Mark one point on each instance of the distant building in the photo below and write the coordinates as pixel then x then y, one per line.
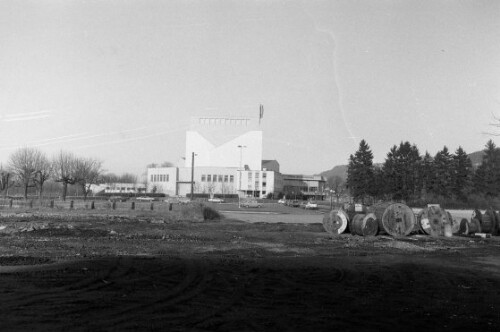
pixel 309 186
pixel 227 160
pixel 118 188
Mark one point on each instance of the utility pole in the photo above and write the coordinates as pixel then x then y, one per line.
pixel 192 174
pixel 239 186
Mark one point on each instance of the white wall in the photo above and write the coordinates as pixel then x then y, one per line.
pixel 272 180
pixel 226 154
pixel 163 178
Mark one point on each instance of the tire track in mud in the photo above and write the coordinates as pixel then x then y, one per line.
pixel 233 293
pixel 76 280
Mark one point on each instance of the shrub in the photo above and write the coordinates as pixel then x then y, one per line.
pixel 210 214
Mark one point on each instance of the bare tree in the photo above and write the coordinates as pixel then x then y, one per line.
pixel 87 171
pixel 110 178
pixel 63 166
pixel 23 164
pixel 128 178
pixel 166 164
pixel 5 180
pixel 43 173
pixel 337 184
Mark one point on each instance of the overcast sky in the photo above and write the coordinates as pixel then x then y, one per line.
pixel 119 80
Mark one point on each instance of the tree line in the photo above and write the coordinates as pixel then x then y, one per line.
pixel 410 176
pixel 30 168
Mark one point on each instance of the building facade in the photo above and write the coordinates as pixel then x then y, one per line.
pixel 227 157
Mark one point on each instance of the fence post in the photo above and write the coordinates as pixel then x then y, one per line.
pixel 114 205
pixel 71 205
pixel 52 204
pixel 92 206
pixel 170 206
pixel 10 203
pixel 151 207
pixel 133 206
pixel 31 204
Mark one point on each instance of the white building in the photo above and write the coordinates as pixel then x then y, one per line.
pixel 227 160
pixel 118 188
pixel 224 142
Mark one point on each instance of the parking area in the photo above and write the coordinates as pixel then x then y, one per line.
pixel 273 217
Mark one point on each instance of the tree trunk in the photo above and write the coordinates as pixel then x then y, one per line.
pixel 40 193
pixel 65 190
pixel 25 191
pixel 84 193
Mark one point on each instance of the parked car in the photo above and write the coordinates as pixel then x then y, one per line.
pixel 251 204
pixel 216 200
pixel 295 204
pixel 145 199
pixel 311 205
pixel 282 201
pixel 117 199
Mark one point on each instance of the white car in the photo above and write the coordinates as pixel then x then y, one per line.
pixel 311 205
pixel 282 201
pixel 216 200
pixel 145 199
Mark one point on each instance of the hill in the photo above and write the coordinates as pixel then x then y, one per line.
pixel 339 170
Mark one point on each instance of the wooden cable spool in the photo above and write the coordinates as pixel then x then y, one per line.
pixel 378 210
pixel 476 214
pixel 455 224
pixel 464 227
pixel 398 220
pixel 352 210
pixel 474 226
pixel 355 224
pixel 432 220
pixel 365 224
pixel 488 222
pixel 335 222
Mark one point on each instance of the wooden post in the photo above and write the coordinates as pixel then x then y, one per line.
pixel 133 206
pixel 10 203
pixel 52 204
pixel 151 207
pixel 71 205
pixel 92 205
pixel 114 205
pixel 170 206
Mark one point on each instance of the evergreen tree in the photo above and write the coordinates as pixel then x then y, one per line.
pixel 401 170
pixel 443 166
pixel 360 176
pixel 462 174
pixel 487 177
pixel 426 176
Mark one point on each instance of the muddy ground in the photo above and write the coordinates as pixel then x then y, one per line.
pixel 147 272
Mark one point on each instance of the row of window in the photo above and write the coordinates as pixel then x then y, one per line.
pixel 257 175
pixel 217 178
pixel 122 188
pixel 264 184
pixel 159 177
pixel 223 121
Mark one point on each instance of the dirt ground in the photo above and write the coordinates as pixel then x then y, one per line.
pixel 146 272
